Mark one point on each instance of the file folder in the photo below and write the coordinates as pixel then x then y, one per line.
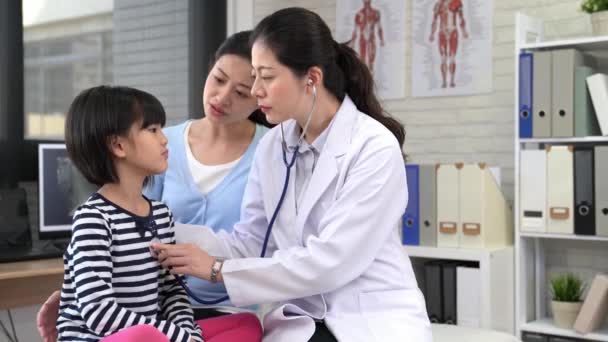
pixel 448 205
pixel 598 89
pixel 485 216
pixel 525 95
pixel 448 283
pixel 560 190
pixel 541 89
pixel 411 232
pixel 428 205
pixel 601 190
pixel 594 311
pixel 562 339
pixel 585 120
pixel 533 190
pixel 584 208
pixel 433 291
pixel 563 63
pixel 468 303
pixel 533 337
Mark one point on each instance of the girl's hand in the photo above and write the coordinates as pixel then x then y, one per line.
pixel 184 259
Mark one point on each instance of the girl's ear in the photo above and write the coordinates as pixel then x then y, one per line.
pixel 117 146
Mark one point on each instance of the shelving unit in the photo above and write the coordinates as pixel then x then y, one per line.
pixel 546 326
pixel 537 254
pixel 497 279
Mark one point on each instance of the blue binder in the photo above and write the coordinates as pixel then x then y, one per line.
pixel 411 221
pixel 525 95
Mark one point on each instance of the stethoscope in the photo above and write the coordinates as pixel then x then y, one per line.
pixel 288 166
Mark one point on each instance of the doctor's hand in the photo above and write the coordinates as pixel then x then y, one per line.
pixel 46 319
pixel 185 259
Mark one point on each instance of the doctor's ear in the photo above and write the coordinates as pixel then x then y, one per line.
pixel 314 76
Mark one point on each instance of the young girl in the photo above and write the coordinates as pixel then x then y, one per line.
pixel 114 137
pixel 112 280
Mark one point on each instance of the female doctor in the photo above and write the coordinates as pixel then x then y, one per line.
pixel 334 261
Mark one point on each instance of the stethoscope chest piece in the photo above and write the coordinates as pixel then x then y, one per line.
pixel 152 251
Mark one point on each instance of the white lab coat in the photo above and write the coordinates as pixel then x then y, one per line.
pixel 339 259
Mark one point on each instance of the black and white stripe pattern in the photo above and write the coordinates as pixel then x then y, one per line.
pixel 111 280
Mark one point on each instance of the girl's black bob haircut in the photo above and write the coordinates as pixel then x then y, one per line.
pixel 100 113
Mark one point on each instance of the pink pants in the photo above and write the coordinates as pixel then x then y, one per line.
pixel 243 327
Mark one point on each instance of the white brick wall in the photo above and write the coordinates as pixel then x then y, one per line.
pixel 470 128
pixel 151 51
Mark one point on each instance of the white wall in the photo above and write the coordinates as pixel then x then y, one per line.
pixel 465 128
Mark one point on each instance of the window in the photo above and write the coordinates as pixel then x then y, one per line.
pixel 66 50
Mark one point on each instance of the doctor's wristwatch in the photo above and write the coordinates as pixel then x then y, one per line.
pixel 215 269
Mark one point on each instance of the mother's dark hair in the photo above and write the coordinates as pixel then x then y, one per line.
pixel 300 39
pixel 238 45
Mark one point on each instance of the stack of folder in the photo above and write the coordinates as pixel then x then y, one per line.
pixel 452 292
pixel 562 190
pixel 537 337
pixel 554 100
pixel 455 205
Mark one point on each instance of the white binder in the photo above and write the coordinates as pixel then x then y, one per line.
pixel 560 190
pixel 448 208
pixel 533 191
pixel 598 90
pixel 468 289
pixel 485 216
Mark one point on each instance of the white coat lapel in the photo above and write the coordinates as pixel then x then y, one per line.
pixel 338 140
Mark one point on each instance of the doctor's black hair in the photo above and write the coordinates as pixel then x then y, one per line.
pixel 300 39
pixel 95 116
pixel 238 45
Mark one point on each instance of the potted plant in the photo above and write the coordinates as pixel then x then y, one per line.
pixel 567 290
pixel 598 9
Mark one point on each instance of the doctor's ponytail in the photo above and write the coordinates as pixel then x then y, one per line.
pixel 300 39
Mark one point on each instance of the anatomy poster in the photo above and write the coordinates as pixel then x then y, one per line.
pixel 451 47
pixel 376 31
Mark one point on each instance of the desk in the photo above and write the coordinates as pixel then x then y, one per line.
pixel 31 282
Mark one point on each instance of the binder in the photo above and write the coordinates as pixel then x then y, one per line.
pixel 563 63
pixel 595 307
pixel 533 337
pixel 584 208
pixel 433 291
pixel 601 190
pixel 585 120
pixel 410 222
pixel 485 216
pixel 428 205
pixel 525 95
pixel 468 304
pixel 562 339
pixel 541 89
pixel 448 286
pixel 533 191
pixel 560 188
pixel 448 205
pixel 598 89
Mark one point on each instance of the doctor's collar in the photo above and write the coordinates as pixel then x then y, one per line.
pixel 292 134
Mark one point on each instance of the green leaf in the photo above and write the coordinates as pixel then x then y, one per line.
pixel 567 288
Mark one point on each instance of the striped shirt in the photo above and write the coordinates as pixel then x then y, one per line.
pixel 111 281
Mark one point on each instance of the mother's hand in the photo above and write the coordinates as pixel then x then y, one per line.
pixel 185 259
pixel 46 319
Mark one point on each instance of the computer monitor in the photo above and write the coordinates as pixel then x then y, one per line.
pixel 61 189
